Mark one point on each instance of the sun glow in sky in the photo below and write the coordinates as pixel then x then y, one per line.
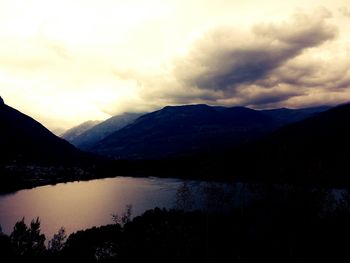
pixel 64 62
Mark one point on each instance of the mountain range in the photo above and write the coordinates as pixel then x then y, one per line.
pixel 179 131
pixel 294 145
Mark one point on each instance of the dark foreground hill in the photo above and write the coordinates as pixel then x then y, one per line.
pixel 24 140
pixel 31 155
pixel 313 150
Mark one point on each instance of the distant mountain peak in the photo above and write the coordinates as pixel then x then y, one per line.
pixel 73 133
pixel 99 131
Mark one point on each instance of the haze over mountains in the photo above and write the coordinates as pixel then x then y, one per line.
pixel 73 133
pixel 90 134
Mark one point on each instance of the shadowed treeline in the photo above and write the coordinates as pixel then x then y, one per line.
pixel 285 224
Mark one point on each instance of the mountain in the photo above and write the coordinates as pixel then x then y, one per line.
pixel 98 132
pixel 73 133
pixel 57 130
pixel 286 116
pixel 176 131
pixel 313 150
pixel 24 140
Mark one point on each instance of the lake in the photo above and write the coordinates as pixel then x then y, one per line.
pixel 83 204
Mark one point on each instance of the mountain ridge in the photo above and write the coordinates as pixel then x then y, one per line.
pixel 74 132
pixel 312 150
pixel 23 139
pixel 102 130
pixel 180 130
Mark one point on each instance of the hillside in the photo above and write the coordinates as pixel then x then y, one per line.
pixel 179 131
pixel 73 133
pixel 312 150
pixel 98 132
pixel 24 140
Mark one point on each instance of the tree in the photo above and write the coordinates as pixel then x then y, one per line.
pixel 125 217
pixel 27 241
pixel 19 237
pixel 37 240
pixel 56 244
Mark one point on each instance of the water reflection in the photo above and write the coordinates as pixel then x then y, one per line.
pixel 79 205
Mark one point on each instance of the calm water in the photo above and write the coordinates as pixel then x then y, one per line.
pixel 80 205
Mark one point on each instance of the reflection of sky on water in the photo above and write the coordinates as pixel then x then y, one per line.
pixel 80 205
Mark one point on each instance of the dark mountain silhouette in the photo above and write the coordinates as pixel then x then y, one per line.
pixel 205 138
pixel 73 133
pixel 177 131
pixel 99 131
pixel 286 116
pixel 313 150
pixel 24 140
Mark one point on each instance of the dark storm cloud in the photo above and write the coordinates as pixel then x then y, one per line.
pixel 226 59
pixel 268 99
pixel 269 65
pixel 306 72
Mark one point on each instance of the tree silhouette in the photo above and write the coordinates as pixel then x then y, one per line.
pixel 125 217
pixel 56 244
pixel 28 241
pixel 19 237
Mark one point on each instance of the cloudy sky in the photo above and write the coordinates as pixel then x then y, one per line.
pixel 67 61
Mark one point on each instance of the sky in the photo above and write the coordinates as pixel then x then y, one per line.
pixel 68 61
